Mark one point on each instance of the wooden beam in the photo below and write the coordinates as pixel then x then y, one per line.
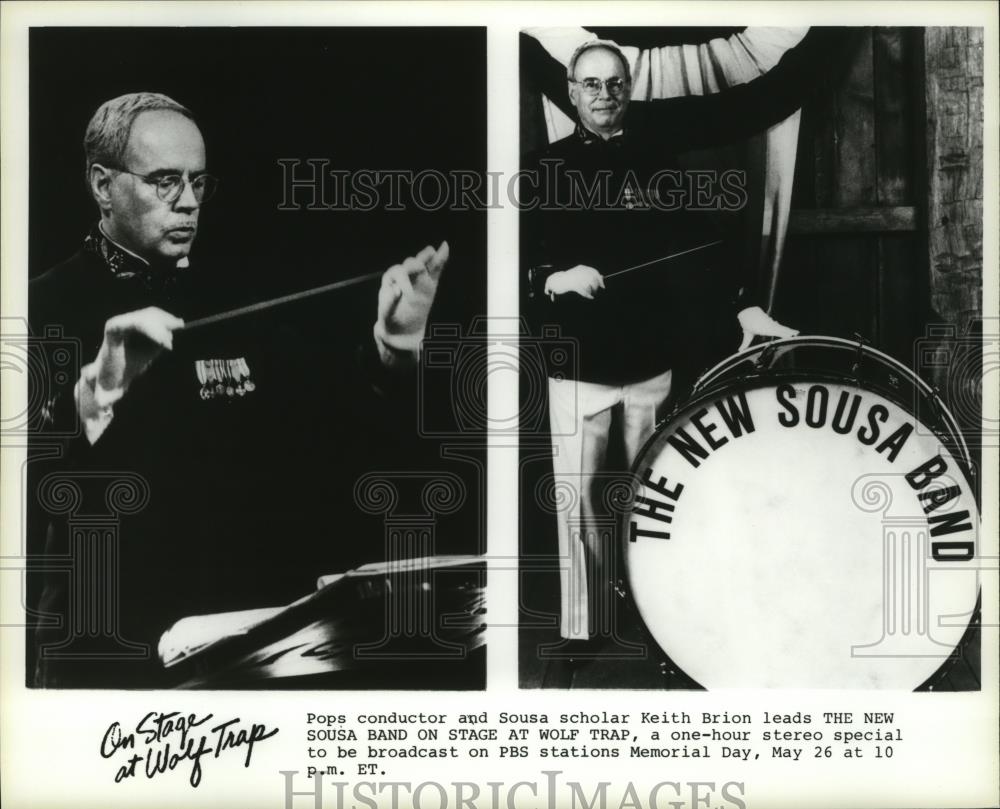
pixel 954 137
pixel 887 219
pixel 955 161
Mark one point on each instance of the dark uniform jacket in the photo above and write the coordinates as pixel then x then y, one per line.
pixel 617 204
pixel 197 498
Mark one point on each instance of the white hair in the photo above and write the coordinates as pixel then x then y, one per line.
pixel 591 45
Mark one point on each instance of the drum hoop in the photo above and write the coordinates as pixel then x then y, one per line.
pixel 814 339
pixel 948 430
pixel 704 391
pixel 701 395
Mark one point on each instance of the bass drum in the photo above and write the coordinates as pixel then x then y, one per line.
pixel 806 519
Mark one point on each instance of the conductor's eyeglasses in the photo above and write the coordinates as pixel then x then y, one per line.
pixel 592 86
pixel 169 187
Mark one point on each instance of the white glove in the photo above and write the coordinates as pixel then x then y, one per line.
pixel 581 279
pixel 404 302
pixel 755 322
pixel 131 342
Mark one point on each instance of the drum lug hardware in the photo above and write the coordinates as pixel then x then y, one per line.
pixel 766 356
pixel 856 367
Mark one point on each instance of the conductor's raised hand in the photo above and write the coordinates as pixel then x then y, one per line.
pixel 404 304
pixel 131 342
pixel 755 322
pixel 583 280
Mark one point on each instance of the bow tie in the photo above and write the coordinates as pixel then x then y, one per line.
pixel 590 139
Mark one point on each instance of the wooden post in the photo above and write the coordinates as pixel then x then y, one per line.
pixel 954 97
pixel 954 106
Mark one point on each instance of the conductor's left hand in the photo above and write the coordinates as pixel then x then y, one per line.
pixel 404 303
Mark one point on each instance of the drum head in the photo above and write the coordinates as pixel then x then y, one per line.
pixel 802 535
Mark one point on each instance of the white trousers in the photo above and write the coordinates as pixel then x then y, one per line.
pixel 580 419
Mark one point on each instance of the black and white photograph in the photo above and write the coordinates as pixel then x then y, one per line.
pixel 499 405
pixel 752 265
pixel 242 251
